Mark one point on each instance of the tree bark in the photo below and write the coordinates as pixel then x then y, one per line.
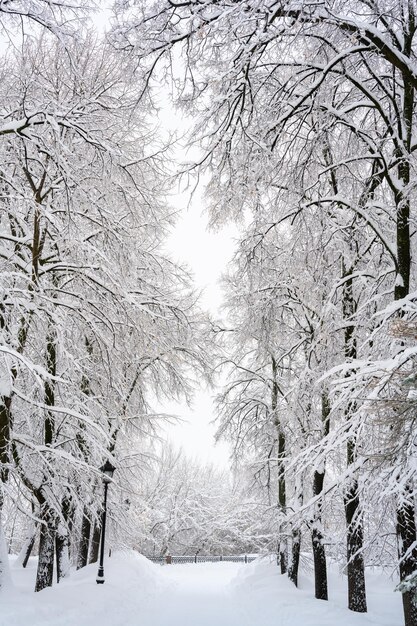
pixel 45 571
pixel 5 428
pixel 62 552
pixel 282 498
pixel 295 557
pixel 44 577
pixel 355 562
pixel 95 543
pixel 82 557
pixel 28 550
pixel 407 552
pixel 319 554
pixel 353 512
pixel 320 566
pixel 405 514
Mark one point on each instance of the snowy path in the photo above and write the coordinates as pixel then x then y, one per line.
pixel 200 595
pixel 139 593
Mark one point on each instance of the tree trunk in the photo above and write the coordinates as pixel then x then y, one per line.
pixel 28 550
pixel 95 543
pixel 355 564
pixel 45 572
pixel 406 519
pixel 28 544
pixel 320 566
pixel 295 557
pixel 5 427
pixel 62 552
pixel 406 533
pixel 282 500
pixel 82 557
pixel 319 554
pixel 49 389
pixel 353 512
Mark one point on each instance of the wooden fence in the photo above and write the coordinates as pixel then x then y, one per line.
pixel 197 558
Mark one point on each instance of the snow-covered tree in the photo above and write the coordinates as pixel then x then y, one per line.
pixel 95 320
pixel 315 100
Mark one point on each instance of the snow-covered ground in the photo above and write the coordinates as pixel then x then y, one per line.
pixel 139 593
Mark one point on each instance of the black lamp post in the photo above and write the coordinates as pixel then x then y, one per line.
pixel 107 470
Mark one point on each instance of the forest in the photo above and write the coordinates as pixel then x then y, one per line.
pixel 301 125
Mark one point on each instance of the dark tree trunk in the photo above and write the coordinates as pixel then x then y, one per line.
pixel 282 499
pixel 319 554
pixel 355 564
pixel 45 571
pixel 353 512
pixel 95 543
pixel 49 390
pixel 406 520
pixel 402 201
pixel 5 428
pixel 406 533
pixel 320 566
pixel 82 558
pixel 283 554
pixel 28 549
pixel 295 557
pixel 62 552
pixel 28 544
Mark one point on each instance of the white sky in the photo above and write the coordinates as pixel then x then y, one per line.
pixel 206 254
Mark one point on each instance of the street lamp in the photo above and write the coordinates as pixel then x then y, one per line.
pixel 107 471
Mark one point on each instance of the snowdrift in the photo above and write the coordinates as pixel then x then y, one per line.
pixel 139 593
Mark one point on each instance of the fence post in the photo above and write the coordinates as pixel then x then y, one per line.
pixel 221 557
pixel 168 559
pixel 195 559
pixel 246 558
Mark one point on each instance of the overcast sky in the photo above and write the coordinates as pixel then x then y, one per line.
pixel 206 253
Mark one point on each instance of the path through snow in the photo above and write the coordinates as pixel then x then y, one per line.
pixel 200 595
pixel 139 593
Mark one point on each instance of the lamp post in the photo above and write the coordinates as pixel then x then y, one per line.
pixel 107 471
